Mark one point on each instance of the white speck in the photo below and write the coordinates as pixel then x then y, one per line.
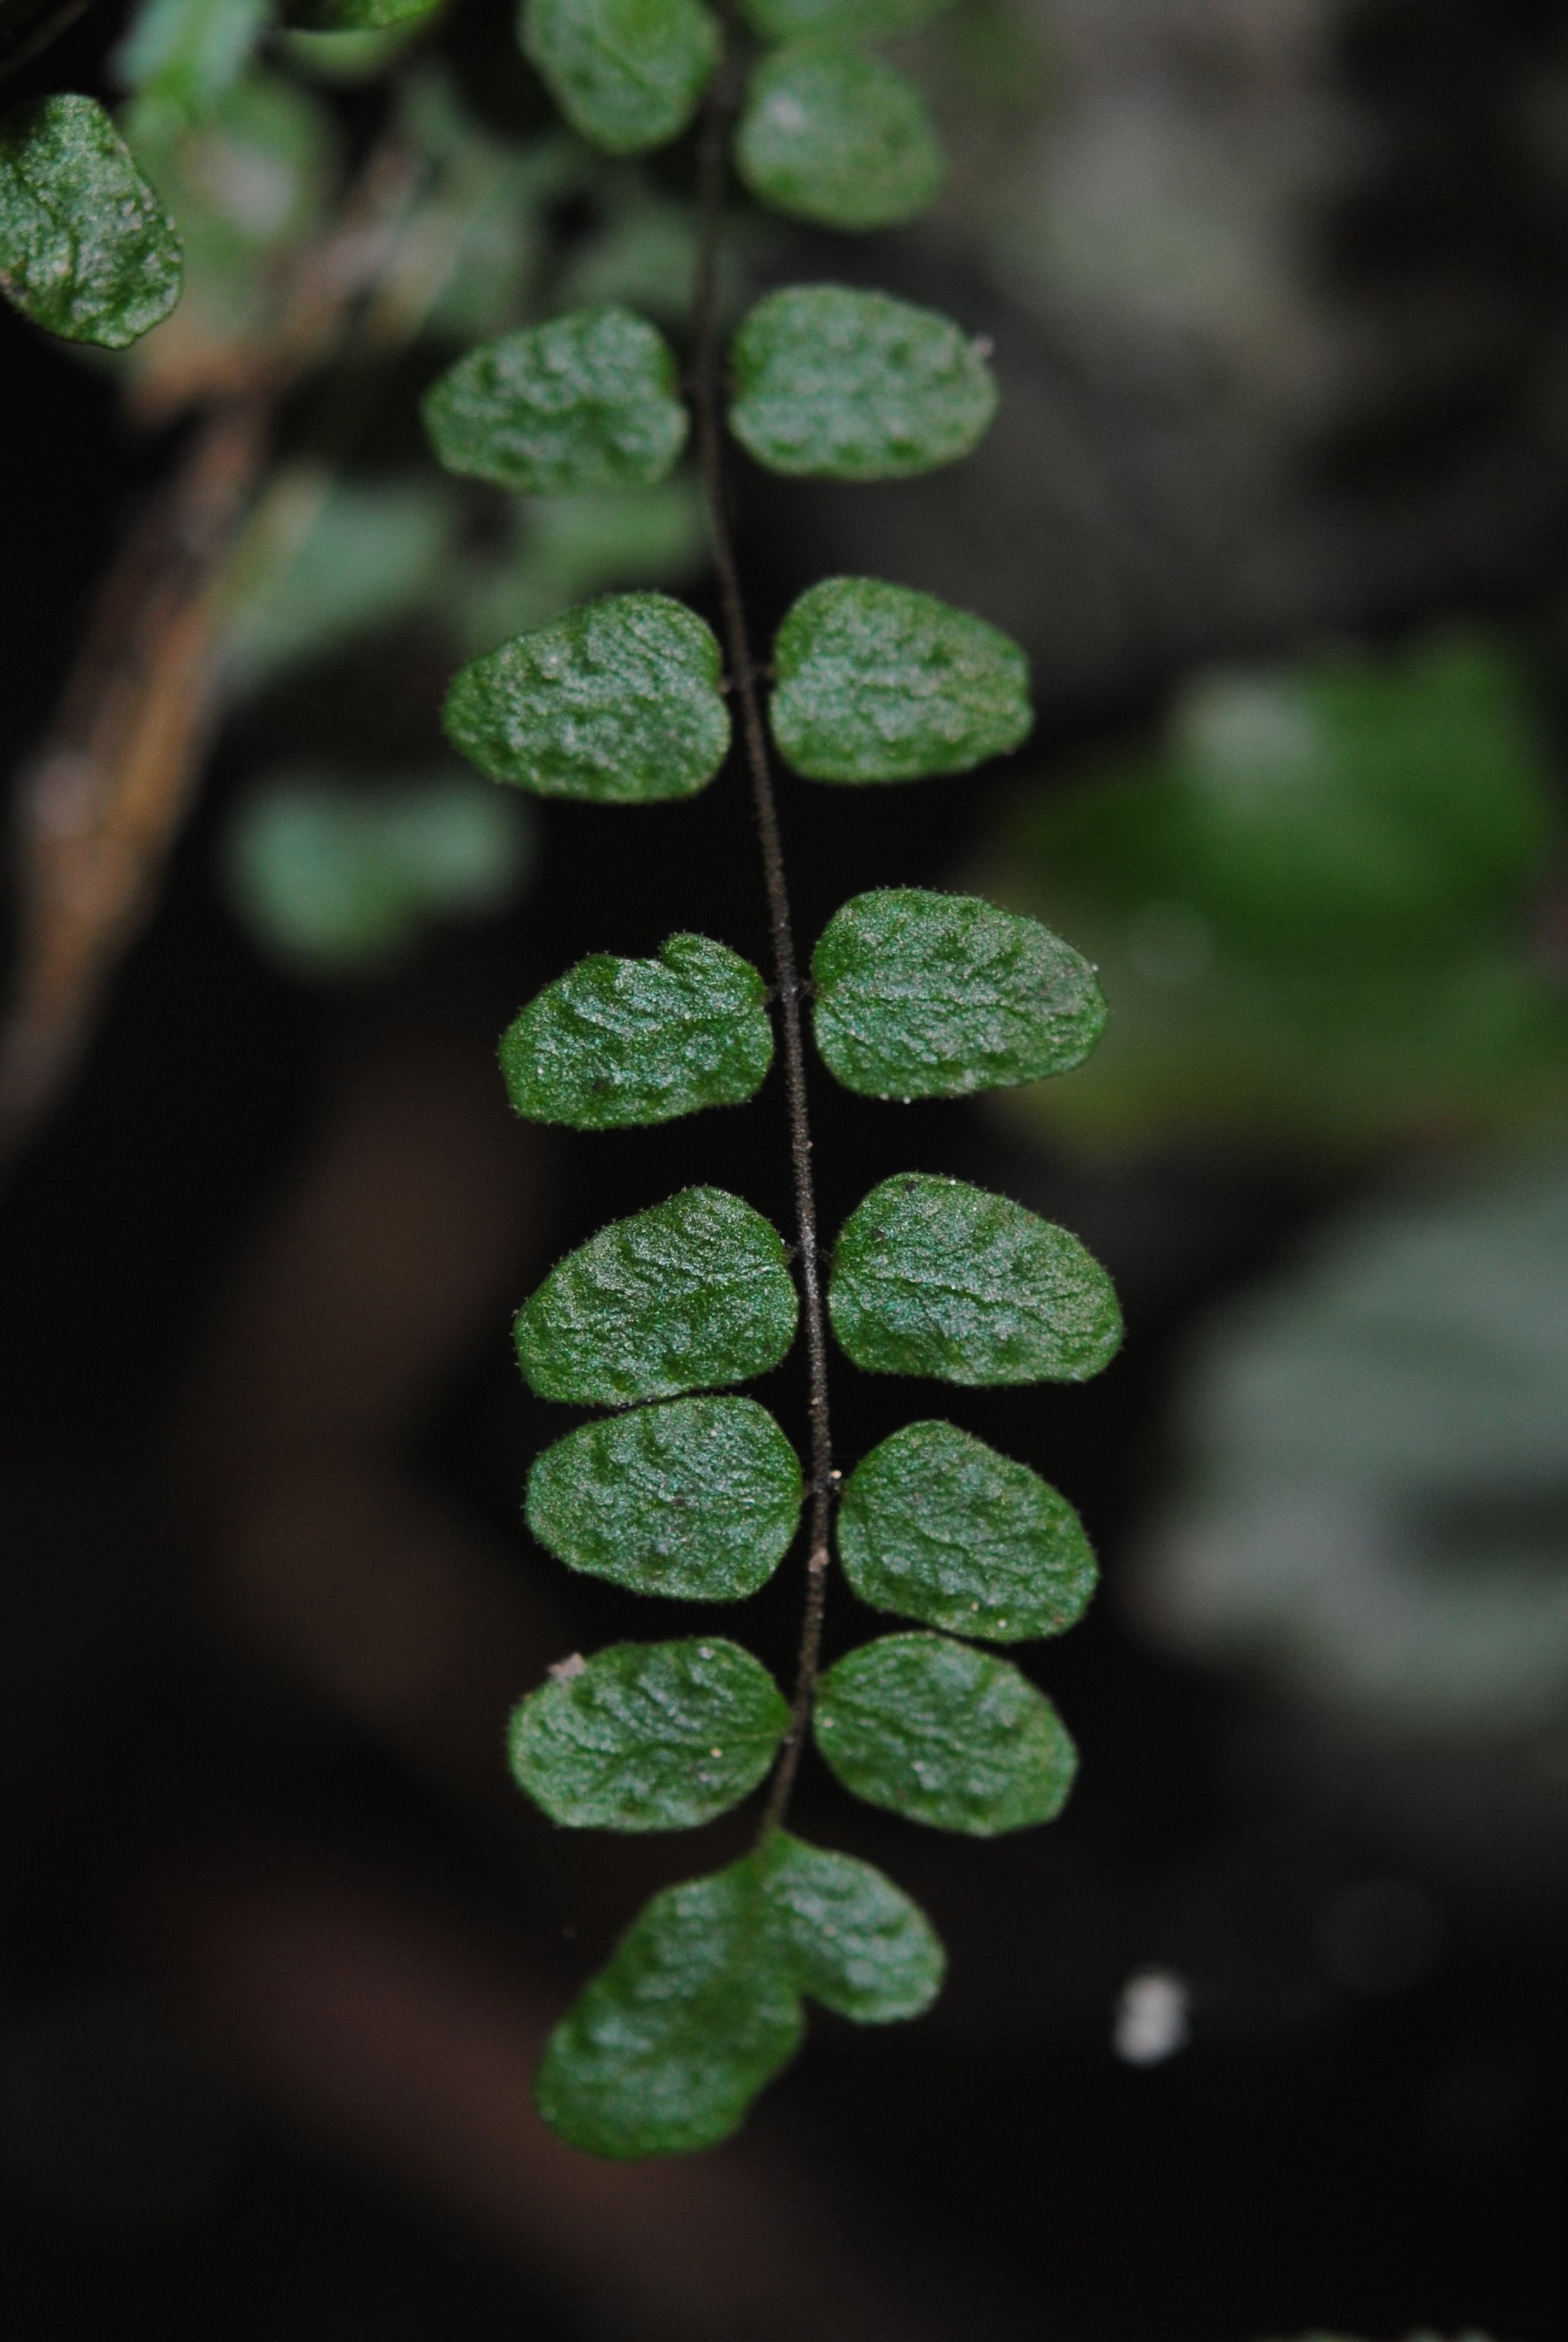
pixel 1150 2017
pixel 564 1670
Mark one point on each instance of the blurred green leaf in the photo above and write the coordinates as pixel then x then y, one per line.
pixel 335 561
pixel 849 385
pixel 333 878
pixel 918 995
pixel 627 74
pixel 833 135
pixel 1309 911
pixel 648 1735
pixel 186 54
pixel 618 702
pixel 566 547
pixel 353 16
pixel 86 250
pixel 878 683
pixel 782 20
pixel 695 1291
pixel 933 1277
pixel 936 1525
pixel 944 1734
pixel 700 2005
pixel 616 1042
pixel 587 401
pixel 697 1499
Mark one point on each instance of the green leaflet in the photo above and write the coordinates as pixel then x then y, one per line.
pixel 933 1277
pixel 945 1734
pixel 627 74
pixel 699 2006
pixel 697 1499
pixel 833 135
pixel 782 20
pixel 648 1735
pixel 618 702
pixel 587 401
pixel 620 1041
pixel 186 54
pixel 695 1291
pixel 879 683
pixel 919 995
pixel 851 385
pixel 935 1526
pixel 86 250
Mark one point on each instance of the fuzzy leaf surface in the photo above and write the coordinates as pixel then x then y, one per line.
pixel 616 1042
pixel 879 683
pixel 935 1526
pixel 945 1734
pixel 648 1735
pixel 700 2003
pixel 617 703
pixel 587 401
pixel 783 20
pixel 854 1940
pixel 697 1499
pixel 933 1277
pixel 849 385
pixel 626 73
pixel 87 249
pixel 919 995
pixel 695 1291
pixel 833 135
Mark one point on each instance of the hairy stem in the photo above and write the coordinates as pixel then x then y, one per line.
pixel 718 115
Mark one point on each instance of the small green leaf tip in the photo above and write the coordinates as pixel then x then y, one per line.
pixel 935 1526
pixel 86 250
pixel 945 1734
pixel 783 20
pixel 585 402
pixel 700 2003
pixel 933 1276
pixel 648 1735
pixel 833 135
pixel 847 385
pixel 626 73
pixel 697 1499
pixel 919 995
pixel 616 1042
pixel 353 16
pixel 695 1291
pixel 879 683
pixel 617 703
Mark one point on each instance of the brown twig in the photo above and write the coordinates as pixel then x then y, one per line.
pixel 102 803
pixel 717 118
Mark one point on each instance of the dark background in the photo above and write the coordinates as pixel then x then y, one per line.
pixel 277 1940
